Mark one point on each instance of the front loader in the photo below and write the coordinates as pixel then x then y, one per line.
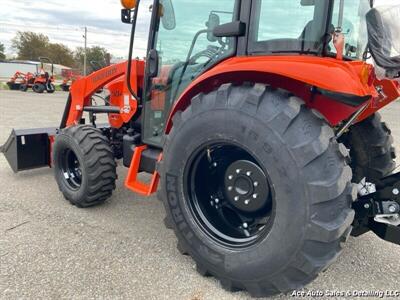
pixel 258 123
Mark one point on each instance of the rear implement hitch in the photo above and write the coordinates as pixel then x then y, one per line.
pixel 379 211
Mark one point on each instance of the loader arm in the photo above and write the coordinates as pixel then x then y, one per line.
pixel 31 148
pixel 83 89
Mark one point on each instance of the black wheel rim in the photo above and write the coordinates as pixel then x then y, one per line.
pixel 71 169
pixel 229 195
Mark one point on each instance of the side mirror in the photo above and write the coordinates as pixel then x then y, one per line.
pixel 383 37
pixel 167 15
pixel 212 23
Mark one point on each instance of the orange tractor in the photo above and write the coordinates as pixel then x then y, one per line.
pixel 258 123
pixel 21 81
pixel 44 81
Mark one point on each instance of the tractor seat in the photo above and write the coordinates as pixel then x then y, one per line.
pixel 312 33
pixel 380 40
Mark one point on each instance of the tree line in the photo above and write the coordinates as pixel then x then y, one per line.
pixel 30 46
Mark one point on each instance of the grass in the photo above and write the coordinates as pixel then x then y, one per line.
pixel 58 88
pixel 4 86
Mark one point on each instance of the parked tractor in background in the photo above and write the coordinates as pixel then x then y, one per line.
pixel 44 81
pixel 21 81
pixel 69 77
pixel 258 123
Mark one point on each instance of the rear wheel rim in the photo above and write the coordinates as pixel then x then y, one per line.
pixel 71 169
pixel 229 195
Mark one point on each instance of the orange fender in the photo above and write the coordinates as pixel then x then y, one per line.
pixel 298 74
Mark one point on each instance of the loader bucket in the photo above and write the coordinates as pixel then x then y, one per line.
pixel 28 149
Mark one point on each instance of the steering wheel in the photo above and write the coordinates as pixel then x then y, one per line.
pixel 209 53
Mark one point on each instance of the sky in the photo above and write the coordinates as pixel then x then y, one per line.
pixel 64 21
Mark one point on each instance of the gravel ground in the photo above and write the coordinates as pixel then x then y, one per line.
pixel 121 250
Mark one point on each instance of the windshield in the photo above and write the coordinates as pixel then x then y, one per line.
pixel 306 26
pixel 186 47
pixel 354 27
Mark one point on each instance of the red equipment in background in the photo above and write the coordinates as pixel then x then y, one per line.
pixel 21 81
pixel 69 77
pixel 44 81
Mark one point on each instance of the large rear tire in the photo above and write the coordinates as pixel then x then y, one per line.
pixel 249 135
pixel 84 165
pixel 38 88
pixel 371 149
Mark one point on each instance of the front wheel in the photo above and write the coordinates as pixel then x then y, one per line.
pixel 51 88
pixel 23 87
pixel 256 189
pixel 84 165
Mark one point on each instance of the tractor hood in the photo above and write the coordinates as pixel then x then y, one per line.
pixel 384 39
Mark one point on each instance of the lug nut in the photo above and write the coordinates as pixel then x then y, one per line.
pixel 236 198
pixel 255 196
pixel 255 183
pixel 245 225
pixel 248 173
pixel 247 201
pixel 230 177
pixel 230 188
pixel 366 205
pixel 215 164
pixel 396 192
pixel 238 171
pixel 392 209
pixel 217 200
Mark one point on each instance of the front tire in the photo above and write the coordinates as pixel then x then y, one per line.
pixel 84 165
pixel 309 215
pixel 23 87
pixel 51 88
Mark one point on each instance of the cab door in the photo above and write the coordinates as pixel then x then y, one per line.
pixel 181 47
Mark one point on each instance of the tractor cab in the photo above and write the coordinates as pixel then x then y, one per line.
pixel 187 39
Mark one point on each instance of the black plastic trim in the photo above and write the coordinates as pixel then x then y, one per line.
pixel 349 99
pixel 245 12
